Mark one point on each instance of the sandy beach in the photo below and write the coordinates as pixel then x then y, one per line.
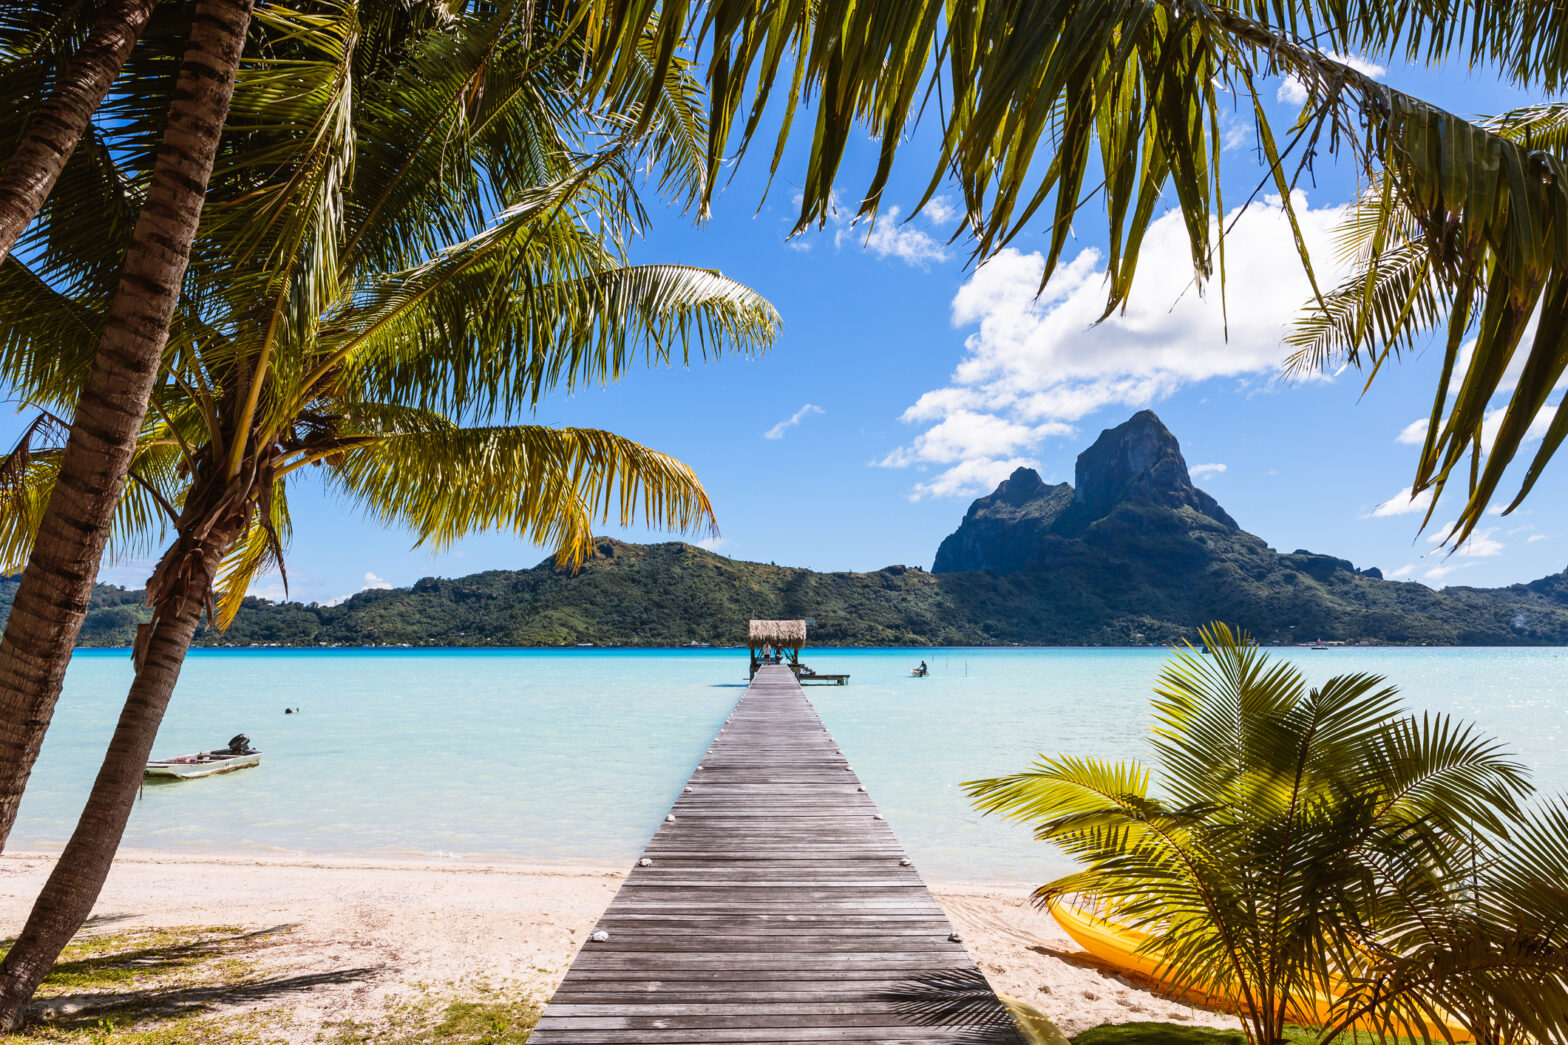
pixel 338 938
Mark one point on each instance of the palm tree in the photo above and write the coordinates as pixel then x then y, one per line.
pixel 279 175
pixel 441 294
pixel 80 82
pixel 1307 843
pixel 118 230
pixel 56 585
pixel 1399 287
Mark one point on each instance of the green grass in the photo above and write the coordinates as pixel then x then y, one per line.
pixel 186 1030
pixel 160 986
pixel 493 1019
pixel 112 961
pixel 145 986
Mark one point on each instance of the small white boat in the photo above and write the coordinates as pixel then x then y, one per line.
pixel 238 755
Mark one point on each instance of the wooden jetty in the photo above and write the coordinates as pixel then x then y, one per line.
pixel 774 905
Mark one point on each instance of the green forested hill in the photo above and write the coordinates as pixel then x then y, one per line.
pixel 1132 553
pixel 672 594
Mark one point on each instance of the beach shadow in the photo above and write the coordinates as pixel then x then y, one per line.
pixel 81 1011
pixel 151 973
pixel 961 999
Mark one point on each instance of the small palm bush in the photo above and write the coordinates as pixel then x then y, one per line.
pixel 1307 843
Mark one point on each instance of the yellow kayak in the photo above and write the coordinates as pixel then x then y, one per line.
pixel 1123 948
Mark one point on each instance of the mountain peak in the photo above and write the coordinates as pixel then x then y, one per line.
pixel 1022 486
pixel 1139 460
pixel 1002 530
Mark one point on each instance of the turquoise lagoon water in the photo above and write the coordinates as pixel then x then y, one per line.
pixel 573 756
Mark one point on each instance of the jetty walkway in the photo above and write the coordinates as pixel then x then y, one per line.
pixel 773 905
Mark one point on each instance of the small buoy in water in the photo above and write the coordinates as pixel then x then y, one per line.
pixel 645 862
pixel 600 936
pixel 288 711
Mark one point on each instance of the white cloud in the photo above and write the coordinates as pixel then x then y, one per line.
pixel 1403 571
pixel 1236 132
pixel 1536 537
pixel 1437 572
pixel 274 592
pixel 887 236
pixel 1413 434
pixel 968 478
pixel 372 582
pixel 940 210
pixel 1402 503
pixel 1037 362
pixel 1294 92
pixel 967 436
pixel 1480 545
pixel 713 543
pixel 778 430
pixel 1204 471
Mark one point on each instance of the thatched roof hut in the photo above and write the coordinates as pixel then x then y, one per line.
pixel 786 633
pixel 784 636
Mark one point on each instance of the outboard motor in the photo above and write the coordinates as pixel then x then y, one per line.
pixel 240 745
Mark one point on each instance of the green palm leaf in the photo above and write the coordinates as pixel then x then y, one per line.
pixel 548 485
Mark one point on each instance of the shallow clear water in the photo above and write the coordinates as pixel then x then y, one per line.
pixel 575 755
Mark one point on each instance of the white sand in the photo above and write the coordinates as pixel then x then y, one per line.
pixel 361 934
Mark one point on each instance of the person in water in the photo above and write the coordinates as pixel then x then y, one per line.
pixel 923 668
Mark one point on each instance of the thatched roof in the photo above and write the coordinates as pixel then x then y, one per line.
pixel 778 632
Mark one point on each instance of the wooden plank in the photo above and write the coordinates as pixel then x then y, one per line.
pixel 776 906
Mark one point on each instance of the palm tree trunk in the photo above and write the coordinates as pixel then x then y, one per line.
pixel 73 887
pixel 58 124
pixel 55 588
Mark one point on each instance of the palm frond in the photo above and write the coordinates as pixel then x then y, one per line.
pixel 549 485
pixel 1315 844
pixel 530 308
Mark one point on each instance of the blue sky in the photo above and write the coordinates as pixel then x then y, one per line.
pixel 906 383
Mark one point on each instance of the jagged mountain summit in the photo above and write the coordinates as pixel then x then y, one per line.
pixel 1139 460
pixel 1138 464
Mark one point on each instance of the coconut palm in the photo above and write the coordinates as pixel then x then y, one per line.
pixel 277 189
pixel 52 597
pixel 1399 288
pixel 451 284
pixel 1304 843
pixel 71 82
pixel 118 229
